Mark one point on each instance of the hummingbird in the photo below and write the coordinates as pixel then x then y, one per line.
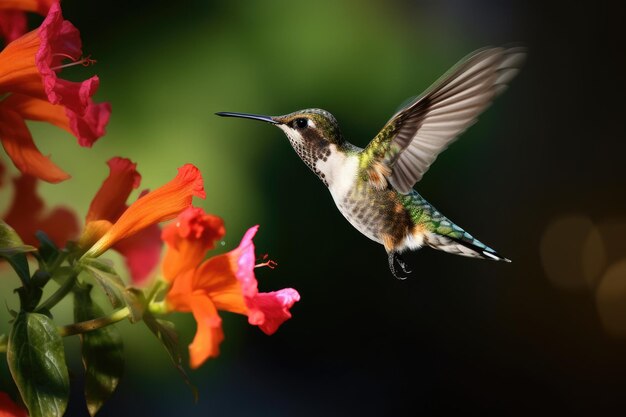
pixel 373 187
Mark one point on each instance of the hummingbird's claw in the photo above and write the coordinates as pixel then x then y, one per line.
pixel 393 258
pixel 403 265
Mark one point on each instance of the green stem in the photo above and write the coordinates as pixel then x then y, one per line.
pixel 90 325
pixel 158 307
pixel 156 289
pixel 57 262
pixel 58 295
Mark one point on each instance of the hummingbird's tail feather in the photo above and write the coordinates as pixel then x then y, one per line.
pixel 437 231
pixel 465 245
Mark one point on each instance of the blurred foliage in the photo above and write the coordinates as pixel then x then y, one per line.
pixel 462 334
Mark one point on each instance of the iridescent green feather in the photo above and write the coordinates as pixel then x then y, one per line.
pixel 378 149
pixel 424 214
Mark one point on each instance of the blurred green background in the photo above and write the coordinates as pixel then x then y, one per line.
pixel 540 178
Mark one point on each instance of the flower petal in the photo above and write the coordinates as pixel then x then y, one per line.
pixel 59 40
pixel 30 64
pixel 269 310
pixel 36 6
pixel 110 201
pixel 13 19
pixel 194 224
pixel 90 126
pixel 87 128
pixel 142 252
pixel 19 73
pixel 217 277
pixel 266 310
pixel 246 259
pixel 8 408
pixel 25 215
pixel 178 294
pixel 12 24
pixel 60 225
pixel 177 260
pixel 25 208
pixel 209 332
pixel 18 143
pixel 230 282
pixel 93 231
pixel 162 204
pixel 188 238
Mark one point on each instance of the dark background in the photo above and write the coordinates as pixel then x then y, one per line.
pixel 541 178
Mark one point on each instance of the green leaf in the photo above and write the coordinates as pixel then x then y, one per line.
pixel 48 250
pixel 113 286
pixel 166 333
pixel 10 241
pixel 102 351
pixel 14 251
pixel 7 252
pixel 37 362
pixel 106 277
pixel 20 264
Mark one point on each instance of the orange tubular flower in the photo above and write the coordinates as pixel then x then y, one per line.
pixel 109 224
pixel 189 238
pixel 223 282
pixel 28 72
pixel 25 215
pixel 141 251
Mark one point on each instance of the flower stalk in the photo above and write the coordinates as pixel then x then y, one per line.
pixel 58 295
pixel 94 324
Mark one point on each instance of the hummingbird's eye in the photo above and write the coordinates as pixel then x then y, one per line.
pixel 300 123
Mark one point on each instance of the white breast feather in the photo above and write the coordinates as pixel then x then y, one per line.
pixel 340 171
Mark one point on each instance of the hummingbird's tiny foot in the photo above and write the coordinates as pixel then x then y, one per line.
pixel 393 258
pixel 403 265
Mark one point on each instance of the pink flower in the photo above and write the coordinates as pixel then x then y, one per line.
pixel 223 282
pixel 28 72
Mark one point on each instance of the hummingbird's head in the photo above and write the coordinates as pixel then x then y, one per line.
pixel 310 128
pixel 313 133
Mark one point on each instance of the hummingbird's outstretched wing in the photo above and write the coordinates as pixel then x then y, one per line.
pixel 411 140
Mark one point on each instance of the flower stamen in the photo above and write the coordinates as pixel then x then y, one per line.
pixel 270 263
pixel 85 62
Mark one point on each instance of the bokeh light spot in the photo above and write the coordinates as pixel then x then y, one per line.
pixel 611 299
pixel 613 232
pixel 594 257
pixel 572 252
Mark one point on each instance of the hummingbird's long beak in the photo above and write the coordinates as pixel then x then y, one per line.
pixel 262 118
